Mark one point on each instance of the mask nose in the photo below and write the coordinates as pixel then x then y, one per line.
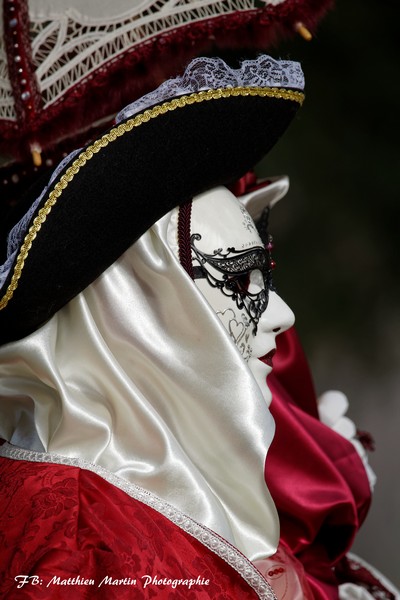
pixel 278 317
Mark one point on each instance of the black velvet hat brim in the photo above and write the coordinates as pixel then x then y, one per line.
pixel 120 185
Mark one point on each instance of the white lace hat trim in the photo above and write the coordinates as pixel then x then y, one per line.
pixel 201 74
pixel 214 73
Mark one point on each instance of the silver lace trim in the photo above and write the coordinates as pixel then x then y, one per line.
pixel 207 537
pixel 214 73
pixel 17 233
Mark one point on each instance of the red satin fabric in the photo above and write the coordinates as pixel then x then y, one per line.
pixel 58 520
pixel 315 476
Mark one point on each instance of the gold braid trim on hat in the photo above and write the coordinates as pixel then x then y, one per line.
pixel 111 136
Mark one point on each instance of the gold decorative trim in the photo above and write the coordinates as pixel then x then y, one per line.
pixel 111 136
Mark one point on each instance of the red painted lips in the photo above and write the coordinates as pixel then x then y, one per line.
pixel 267 358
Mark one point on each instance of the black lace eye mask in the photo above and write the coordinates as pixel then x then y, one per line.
pixel 236 268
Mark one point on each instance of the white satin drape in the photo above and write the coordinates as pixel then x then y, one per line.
pixel 138 375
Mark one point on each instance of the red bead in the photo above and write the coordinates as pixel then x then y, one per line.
pixel 272 264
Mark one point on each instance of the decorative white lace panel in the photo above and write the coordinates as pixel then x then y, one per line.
pixel 68 46
pixel 201 73
pixel 213 73
pixel 7 109
pixel 203 534
pixel 68 49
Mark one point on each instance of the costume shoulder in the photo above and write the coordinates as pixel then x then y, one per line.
pixel 65 530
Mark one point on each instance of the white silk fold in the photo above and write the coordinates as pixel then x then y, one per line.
pixel 138 375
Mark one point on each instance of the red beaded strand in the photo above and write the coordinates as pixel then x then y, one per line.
pixel 21 71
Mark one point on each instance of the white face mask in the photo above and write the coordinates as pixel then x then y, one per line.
pixel 232 271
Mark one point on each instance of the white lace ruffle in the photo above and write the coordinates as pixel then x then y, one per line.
pixel 214 73
pixel 332 408
pixel 201 74
pixel 351 591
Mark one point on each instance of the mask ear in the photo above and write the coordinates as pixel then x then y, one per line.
pixel 268 193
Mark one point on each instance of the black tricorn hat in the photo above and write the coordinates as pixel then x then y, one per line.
pixel 206 130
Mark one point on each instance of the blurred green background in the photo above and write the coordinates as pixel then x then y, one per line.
pixel 337 235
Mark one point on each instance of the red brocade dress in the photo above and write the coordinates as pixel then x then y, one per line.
pixel 67 532
pixel 77 536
